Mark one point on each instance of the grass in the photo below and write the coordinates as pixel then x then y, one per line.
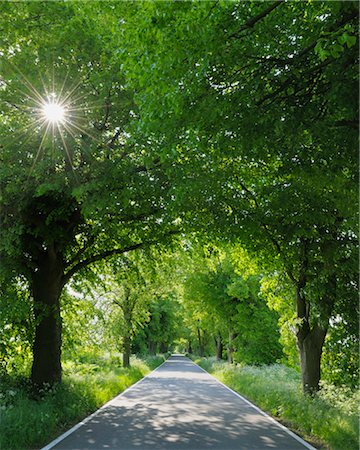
pixel 330 420
pixel 27 422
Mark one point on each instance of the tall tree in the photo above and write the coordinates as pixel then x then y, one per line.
pixel 76 185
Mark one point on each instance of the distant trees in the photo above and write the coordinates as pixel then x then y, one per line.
pixel 228 306
pixel 162 328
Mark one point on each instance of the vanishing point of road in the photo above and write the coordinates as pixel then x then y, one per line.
pixel 178 407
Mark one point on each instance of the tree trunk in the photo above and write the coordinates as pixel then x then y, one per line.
pixel 151 348
pixel 310 344
pixel 230 349
pixel 310 341
pixel 200 343
pixel 126 350
pixel 219 347
pixel 46 288
pixel 163 348
pixel 189 349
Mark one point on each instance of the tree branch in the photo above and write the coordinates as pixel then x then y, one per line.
pixel 269 234
pixel 98 257
pixel 107 254
pixel 347 123
pixel 252 21
pixel 215 4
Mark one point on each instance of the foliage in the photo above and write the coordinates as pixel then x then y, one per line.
pixel 162 328
pixel 264 128
pixel 331 417
pixel 76 192
pixel 341 355
pixel 83 324
pixel 16 328
pixel 279 296
pixel 188 116
pixel 226 299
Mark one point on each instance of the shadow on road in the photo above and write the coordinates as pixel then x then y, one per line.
pixel 179 407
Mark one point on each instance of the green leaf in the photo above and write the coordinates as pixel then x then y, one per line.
pixel 351 40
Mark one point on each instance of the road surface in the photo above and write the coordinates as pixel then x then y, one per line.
pixel 178 406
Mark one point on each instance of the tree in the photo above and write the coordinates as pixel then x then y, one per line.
pixel 162 328
pixel 16 327
pixel 264 125
pixel 79 190
pixel 236 312
pixel 132 313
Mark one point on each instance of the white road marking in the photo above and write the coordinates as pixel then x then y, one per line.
pixel 283 427
pixel 112 401
pixel 84 421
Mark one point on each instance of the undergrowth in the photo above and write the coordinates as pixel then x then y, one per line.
pixel 331 417
pixel 28 422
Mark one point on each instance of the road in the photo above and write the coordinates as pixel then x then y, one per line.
pixel 178 406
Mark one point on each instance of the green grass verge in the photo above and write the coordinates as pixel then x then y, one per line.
pixel 331 417
pixel 28 423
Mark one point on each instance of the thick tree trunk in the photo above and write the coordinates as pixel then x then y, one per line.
pixel 310 344
pixel 46 289
pixel 310 341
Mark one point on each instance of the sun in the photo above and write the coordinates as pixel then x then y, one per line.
pixel 53 111
pixel 57 117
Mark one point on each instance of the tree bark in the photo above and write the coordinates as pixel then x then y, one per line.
pixel 230 349
pixel 163 348
pixel 310 343
pixel 127 306
pixel 46 288
pixel 200 343
pixel 219 347
pixel 151 347
pixel 126 350
pixel 189 349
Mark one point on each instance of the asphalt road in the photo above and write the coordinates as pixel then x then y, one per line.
pixel 178 407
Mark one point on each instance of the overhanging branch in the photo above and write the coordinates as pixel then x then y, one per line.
pixel 253 20
pixel 107 254
pixel 268 232
pixel 98 257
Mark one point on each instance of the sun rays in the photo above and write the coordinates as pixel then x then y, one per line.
pixel 58 114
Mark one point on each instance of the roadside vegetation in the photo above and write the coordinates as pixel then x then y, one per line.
pixel 30 421
pixel 328 420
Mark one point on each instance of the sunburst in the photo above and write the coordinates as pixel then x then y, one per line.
pixel 57 115
pixel 53 111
